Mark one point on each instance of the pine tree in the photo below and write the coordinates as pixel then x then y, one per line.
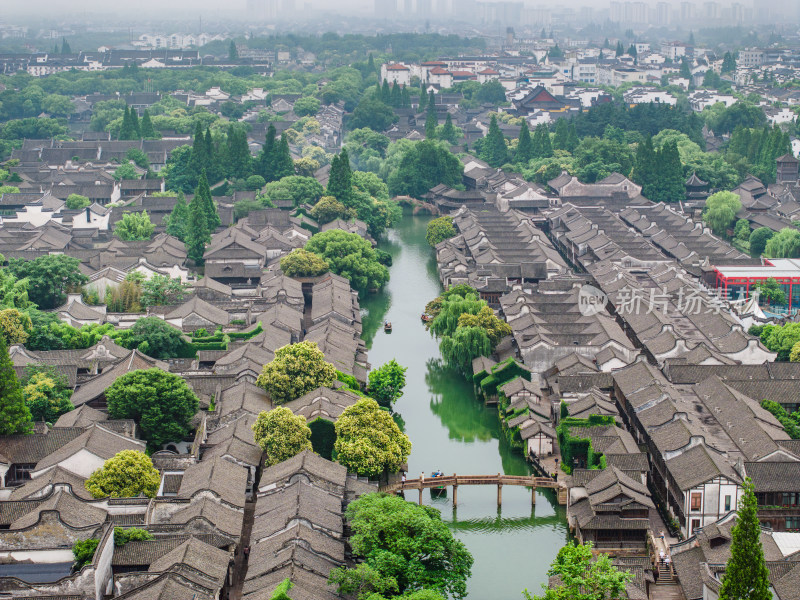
pixel 691 38
pixel 284 165
pixel 572 139
pixel 494 146
pixel 524 145
pixel 632 50
pixel 148 131
pixel 620 50
pixel 15 417
pixel 197 235
pixel 728 63
pixel 370 64
pixel 431 122
pixel 233 53
pixel 179 219
pixel 449 130
pixel 670 186
pixel 405 98
pixel 746 575
pixel 340 182
pixel 686 72
pixel 431 100
pixel 65 49
pixel 214 164
pixel 137 132
pixel 203 192
pixel 266 158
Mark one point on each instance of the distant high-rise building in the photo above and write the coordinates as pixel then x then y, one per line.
pixel 424 8
pixel 712 11
pixel 617 15
pixel 385 8
pixel 268 9
pixel 663 13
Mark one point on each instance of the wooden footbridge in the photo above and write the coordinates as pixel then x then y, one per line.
pixel 454 481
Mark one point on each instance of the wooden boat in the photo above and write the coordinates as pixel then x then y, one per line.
pixel 387 327
pixel 426 318
pixel 440 490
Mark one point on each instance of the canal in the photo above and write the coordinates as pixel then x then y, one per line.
pixel 452 431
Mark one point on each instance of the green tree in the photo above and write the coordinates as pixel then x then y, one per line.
pixel 240 162
pixel 770 291
pixel 161 290
pixel 15 417
pixel 409 547
pixel 440 229
pixel 125 170
pixel 340 182
pixel 645 171
pixel 372 113
pixel 15 326
pixel 302 263
pixel 329 208
pixel 784 244
pixel 351 256
pixel 161 403
pixel 127 474
pixel 496 329
pixel 233 53
pixel 386 383
pixel 203 194
pixel 728 63
pixel 494 148
pixel 431 122
pixel 670 186
pixel 720 211
pixel 449 133
pixel 265 162
pixel 46 395
pixel 296 370
pixel 132 534
pixel 525 145
pixel 281 435
pixel 542 147
pixel 306 106
pixel 463 346
pixel 685 71
pixel 451 305
pixel 77 202
pixel 759 239
pixel 178 222
pixel 155 337
pixel 148 131
pixel 83 551
pixel 582 576
pixel 781 339
pixel 255 182
pixel 746 575
pixel 49 278
pixel 127 131
pixel 298 189
pixel 197 234
pixel 134 226
pixel 424 165
pixel 742 230
pixel 368 441
pixel 283 165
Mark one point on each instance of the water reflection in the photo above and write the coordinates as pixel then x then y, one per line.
pixel 454 432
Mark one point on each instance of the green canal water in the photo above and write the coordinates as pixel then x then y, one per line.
pixel 452 431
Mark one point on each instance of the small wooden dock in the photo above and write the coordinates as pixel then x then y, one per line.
pixel 499 480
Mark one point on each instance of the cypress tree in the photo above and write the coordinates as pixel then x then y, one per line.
pixel 137 132
pixel 686 72
pixel 203 192
pixel 266 158
pixel 545 146
pixel 670 174
pixel 423 101
pixel 239 157
pixel 284 165
pixel 572 139
pixel 431 100
pixel 178 219
pixel 524 145
pixel 561 137
pixel 199 157
pixel 449 130
pixel 386 93
pixel 126 130
pixel 15 417
pixel 340 183
pixel 431 121
pixel 619 50
pixel 746 575
pixel 197 235
pixel 395 98
pixel 65 49
pixel 645 170
pixel 370 64
pixel 494 146
pixel 405 99
pixel 148 131
pixel 233 53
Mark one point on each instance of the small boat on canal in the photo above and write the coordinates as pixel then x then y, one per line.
pixel 387 327
pixel 426 318
pixel 440 491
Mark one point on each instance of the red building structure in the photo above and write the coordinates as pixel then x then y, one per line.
pixel 735 282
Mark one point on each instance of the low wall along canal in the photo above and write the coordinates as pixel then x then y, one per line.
pixel 451 431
